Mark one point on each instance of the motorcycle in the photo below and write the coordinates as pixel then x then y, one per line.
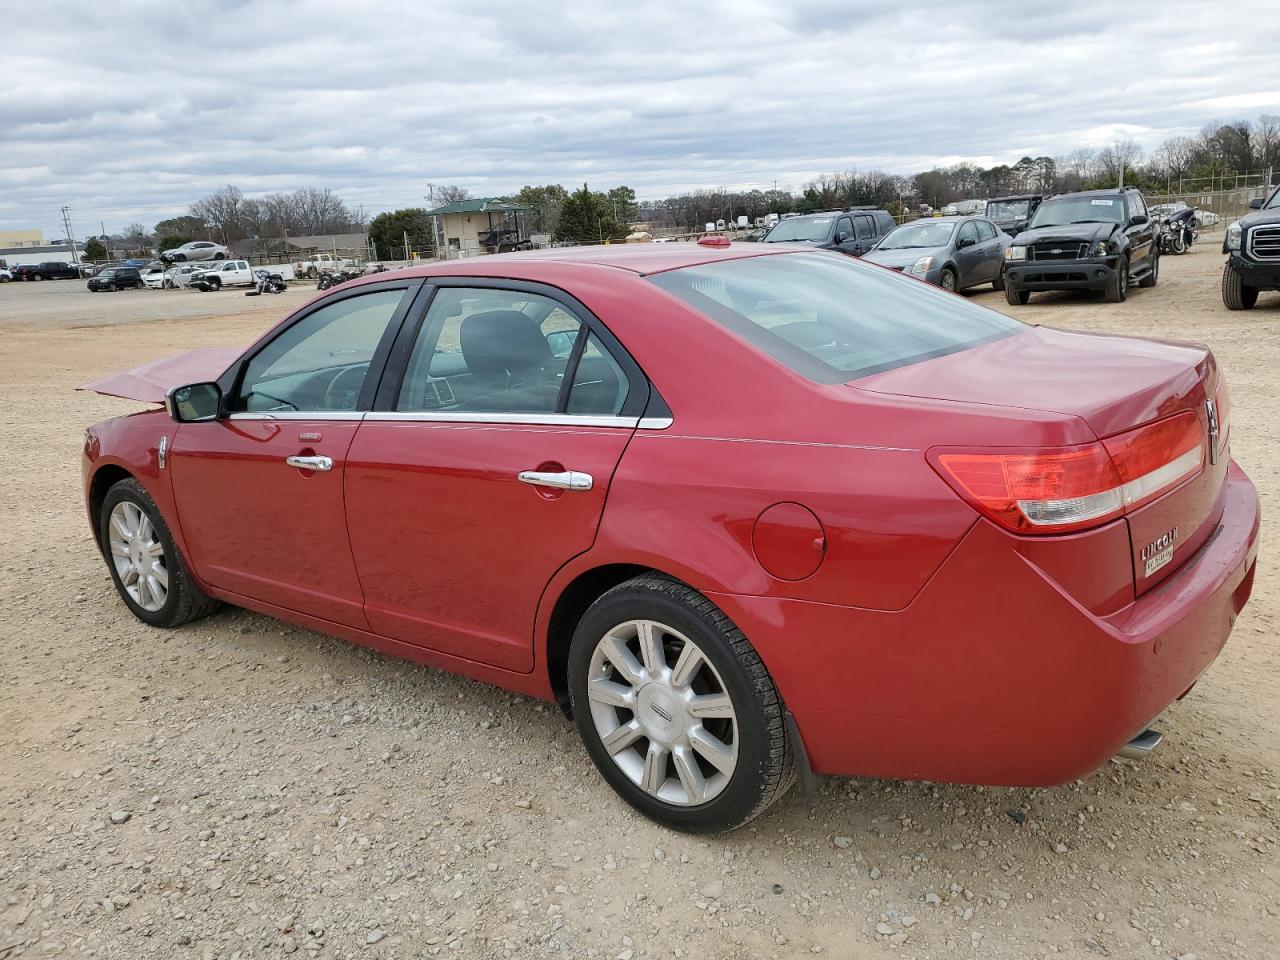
pixel 331 279
pixel 267 283
pixel 1177 231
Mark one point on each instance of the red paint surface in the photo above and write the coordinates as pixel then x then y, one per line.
pixel 928 643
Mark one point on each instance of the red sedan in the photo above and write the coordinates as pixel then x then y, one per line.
pixel 745 514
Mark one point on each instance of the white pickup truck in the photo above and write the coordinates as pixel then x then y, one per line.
pixel 228 273
pixel 321 263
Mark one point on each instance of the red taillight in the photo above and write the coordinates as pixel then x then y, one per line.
pixel 1071 488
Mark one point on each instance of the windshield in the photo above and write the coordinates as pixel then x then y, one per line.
pixel 1273 203
pixel 1066 210
pixel 999 210
pixel 922 233
pixel 830 318
pixel 800 229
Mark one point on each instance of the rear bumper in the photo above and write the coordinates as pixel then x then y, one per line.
pixel 994 674
pixel 1061 274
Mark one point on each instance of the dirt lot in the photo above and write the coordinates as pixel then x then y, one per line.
pixel 242 788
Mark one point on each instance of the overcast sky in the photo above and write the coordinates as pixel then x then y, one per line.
pixel 130 111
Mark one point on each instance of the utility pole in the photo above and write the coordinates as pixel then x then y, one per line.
pixel 71 236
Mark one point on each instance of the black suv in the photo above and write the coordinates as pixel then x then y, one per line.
pixel 116 278
pixel 1093 240
pixel 1253 242
pixel 1012 214
pixel 54 270
pixel 853 231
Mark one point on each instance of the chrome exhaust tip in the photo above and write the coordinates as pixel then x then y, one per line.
pixel 1142 744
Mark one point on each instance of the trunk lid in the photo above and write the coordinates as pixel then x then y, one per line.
pixel 1113 384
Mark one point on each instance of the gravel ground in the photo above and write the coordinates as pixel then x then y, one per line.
pixel 243 788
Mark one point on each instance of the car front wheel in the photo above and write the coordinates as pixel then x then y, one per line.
pixel 676 708
pixel 1016 298
pixel 1236 294
pixel 1118 288
pixel 145 566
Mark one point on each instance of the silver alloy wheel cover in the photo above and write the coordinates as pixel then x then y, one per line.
pixel 138 556
pixel 648 712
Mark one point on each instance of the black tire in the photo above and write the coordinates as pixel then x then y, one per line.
pixel 948 280
pixel 311 273
pixel 1178 244
pixel 1153 276
pixel 1118 288
pixel 214 284
pixel 998 283
pixel 180 258
pixel 112 288
pixel 37 276
pixel 1236 294
pixel 764 769
pixel 184 600
pixel 1016 298
pixel 219 256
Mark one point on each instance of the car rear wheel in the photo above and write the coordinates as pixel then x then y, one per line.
pixel 1236 294
pixel 219 256
pixel 145 565
pixel 1016 298
pixel 1118 288
pixel 676 708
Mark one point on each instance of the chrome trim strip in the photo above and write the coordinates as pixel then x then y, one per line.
pixel 526 419
pixel 654 423
pixel 350 415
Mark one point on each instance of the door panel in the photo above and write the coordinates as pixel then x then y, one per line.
pixel 453 550
pixel 255 525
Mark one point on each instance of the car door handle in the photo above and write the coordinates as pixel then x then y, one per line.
pixel 568 480
pixel 321 464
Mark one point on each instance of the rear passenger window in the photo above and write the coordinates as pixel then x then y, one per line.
pixel 507 352
pixel 985 230
pixel 866 229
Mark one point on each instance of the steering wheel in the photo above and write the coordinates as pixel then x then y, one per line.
pixel 344 389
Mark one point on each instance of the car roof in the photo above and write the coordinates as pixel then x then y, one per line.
pixel 637 258
pixel 1115 192
pixel 949 218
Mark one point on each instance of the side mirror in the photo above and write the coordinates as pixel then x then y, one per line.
pixel 1255 203
pixel 194 403
pixel 1138 219
pixel 561 343
pixel 965 242
pixel 842 236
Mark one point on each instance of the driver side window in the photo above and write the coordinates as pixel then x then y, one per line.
pixel 320 363
pixel 968 231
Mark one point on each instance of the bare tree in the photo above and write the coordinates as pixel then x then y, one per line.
pixel 440 194
pixel 1120 156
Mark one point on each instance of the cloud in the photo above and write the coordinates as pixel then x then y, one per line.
pixel 131 111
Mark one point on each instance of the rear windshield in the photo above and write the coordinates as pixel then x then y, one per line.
pixel 831 318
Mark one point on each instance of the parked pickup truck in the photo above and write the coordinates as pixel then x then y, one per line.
pixel 228 273
pixel 1253 246
pixel 321 263
pixel 53 270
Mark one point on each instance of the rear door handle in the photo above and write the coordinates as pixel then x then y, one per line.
pixel 321 464
pixel 568 480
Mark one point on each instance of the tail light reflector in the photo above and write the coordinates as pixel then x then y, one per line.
pixel 1071 488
